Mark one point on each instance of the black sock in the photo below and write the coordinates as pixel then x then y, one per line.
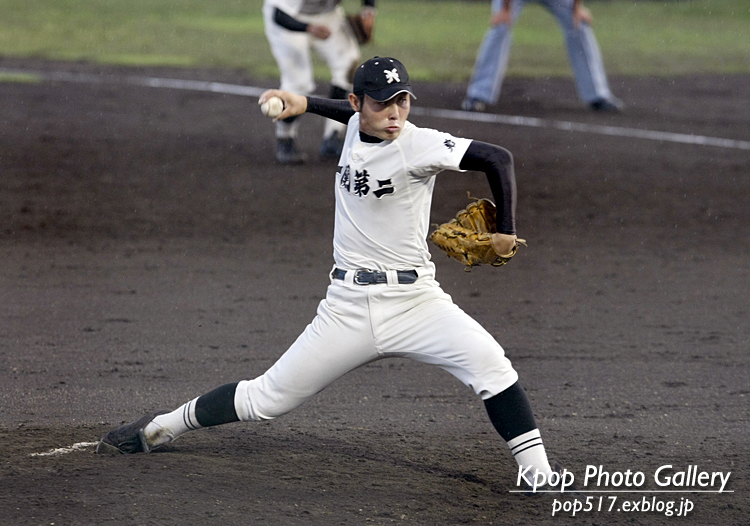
pixel 510 412
pixel 217 407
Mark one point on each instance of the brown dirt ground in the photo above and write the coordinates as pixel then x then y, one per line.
pixel 152 249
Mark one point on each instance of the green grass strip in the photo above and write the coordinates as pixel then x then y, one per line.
pixel 437 39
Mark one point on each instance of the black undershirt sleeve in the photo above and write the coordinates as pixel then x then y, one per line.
pixel 337 110
pixel 497 163
pixel 287 21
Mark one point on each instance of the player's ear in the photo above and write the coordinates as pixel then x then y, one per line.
pixel 354 102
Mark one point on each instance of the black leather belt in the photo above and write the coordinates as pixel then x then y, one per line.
pixel 365 276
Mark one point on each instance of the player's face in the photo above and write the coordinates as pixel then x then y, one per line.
pixel 384 120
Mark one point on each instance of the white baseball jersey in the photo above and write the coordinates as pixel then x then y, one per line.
pixel 384 194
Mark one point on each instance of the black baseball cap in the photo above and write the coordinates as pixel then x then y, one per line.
pixel 382 78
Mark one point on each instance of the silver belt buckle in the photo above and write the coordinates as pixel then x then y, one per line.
pixel 359 272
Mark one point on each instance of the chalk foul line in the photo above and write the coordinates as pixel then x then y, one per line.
pixel 65 450
pixel 491 118
pixel 599 129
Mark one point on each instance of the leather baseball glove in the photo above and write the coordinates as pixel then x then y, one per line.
pixel 362 31
pixel 472 238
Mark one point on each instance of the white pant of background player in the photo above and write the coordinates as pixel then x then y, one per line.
pixel 292 51
pixel 358 324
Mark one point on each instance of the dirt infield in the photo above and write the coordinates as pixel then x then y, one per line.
pixel 152 250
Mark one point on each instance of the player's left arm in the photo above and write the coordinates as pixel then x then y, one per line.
pixel 368 14
pixel 497 164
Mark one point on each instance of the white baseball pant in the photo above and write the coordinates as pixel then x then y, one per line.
pixel 357 324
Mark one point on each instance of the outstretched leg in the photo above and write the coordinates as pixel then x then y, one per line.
pixel 158 428
pixel 337 341
pixel 212 409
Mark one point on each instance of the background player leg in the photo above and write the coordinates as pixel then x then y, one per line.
pixel 333 133
pixel 586 60
pixel 341 52
pixel 286 142
pixel 292 53
pixel 489 70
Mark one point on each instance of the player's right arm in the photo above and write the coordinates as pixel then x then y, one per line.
pixel 338 110
pixel 293 104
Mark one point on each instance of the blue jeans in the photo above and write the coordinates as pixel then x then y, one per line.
pixel 583 51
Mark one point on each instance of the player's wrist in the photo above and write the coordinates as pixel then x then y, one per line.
pixel 503 244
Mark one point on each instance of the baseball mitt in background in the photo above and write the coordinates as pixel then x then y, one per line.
pixel 362 30
pixel 472 238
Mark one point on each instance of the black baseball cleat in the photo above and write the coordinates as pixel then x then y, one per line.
pixel 128 438
pixel 331 147
pixel 611 105
pixel 473 105
pixel 287 152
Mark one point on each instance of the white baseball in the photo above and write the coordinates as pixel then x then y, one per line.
pixel 272 107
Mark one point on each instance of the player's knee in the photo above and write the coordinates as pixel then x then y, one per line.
pixel 254 401
pixel 496 382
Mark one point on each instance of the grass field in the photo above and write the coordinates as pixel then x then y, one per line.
pixel 437 39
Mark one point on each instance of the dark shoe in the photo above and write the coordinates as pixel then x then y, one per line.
pixel 557 487
pixel 473 105
pixel 128 438
pixel 613 105
pixel 287 153
pixel 331 147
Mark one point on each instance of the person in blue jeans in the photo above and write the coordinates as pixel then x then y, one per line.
pixel 583 50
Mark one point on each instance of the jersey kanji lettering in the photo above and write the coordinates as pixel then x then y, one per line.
pixel 344 181
pixel 384 188
pixel 361 188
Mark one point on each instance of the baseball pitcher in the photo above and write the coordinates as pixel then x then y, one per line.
pixel 383 300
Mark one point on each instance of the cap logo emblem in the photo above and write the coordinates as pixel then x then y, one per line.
pixel 391 76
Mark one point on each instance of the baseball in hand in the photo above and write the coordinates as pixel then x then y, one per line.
pixel 272 107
